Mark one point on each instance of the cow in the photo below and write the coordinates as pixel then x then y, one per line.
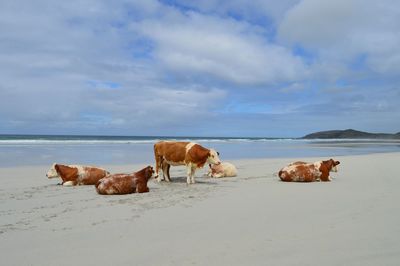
pixel 190 154
pixel 125 183
pixel 223 169
pixel 308 172
pixel 73 175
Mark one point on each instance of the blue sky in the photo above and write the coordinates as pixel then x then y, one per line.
pixel 199 68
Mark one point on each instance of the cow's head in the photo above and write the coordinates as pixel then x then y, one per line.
pixel 213 157
pixel 146 173
pixel 332 165
pixel 150 172
pixel 52 173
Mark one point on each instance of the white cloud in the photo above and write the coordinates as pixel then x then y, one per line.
pixel 342 30
pixel 73 69
pixel 150 67
pixel 225 49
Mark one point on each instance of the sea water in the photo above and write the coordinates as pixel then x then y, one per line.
pixel 20 150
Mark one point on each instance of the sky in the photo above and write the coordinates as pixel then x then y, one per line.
pixel 199 68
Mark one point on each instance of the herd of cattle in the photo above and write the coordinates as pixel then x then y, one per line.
pixel 168 153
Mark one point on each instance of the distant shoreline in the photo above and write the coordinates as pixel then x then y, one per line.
pixel 350 134
pixel 73 136
pixel 330 134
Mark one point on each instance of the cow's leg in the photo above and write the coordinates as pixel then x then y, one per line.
pixel 158 160
pixel 219 175
pixel 325 177
pixel 69 183
pixel 189 174
pixel 209 173
pixel 142 188
pixel 157 167
pixel 193 169
pixel 159 163
pixel 168 175
pixel 164 172
pixel 165 169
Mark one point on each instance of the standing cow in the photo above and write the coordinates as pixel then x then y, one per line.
pixel 190 154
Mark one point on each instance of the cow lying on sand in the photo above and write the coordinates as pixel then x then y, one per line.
pixel 223 169
pixel 308 172
pixel 125 183
pixel 73 175
pixel 190 154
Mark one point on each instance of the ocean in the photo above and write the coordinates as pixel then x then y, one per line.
pixel 21 150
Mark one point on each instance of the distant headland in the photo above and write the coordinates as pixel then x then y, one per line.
pixel 350 134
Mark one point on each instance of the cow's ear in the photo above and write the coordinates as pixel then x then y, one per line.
pixel 57 167
pixel 218 153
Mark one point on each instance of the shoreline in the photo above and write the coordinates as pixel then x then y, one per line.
pixel 104 154
pixel 250 219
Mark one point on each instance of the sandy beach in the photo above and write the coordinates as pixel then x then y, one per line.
pixel 251 219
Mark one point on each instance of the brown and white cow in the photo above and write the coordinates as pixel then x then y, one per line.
pixel 125 183
pixel 308 172
pixel 190 154
pixel 73 175
pixel 223 169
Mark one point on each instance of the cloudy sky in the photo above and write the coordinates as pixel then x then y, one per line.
pixel 199 68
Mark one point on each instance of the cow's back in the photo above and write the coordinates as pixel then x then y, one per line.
pixel 171 151
pixel 230 169
pixel 116 184
pixel 91 175
pixel 224 169
pixel 301 172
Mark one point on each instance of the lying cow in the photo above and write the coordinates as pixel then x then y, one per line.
pixel 190 154
pixel 73 175
pixel 125 183
pixel 308 172
pixel 224 169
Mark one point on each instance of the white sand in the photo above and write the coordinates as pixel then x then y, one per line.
pixel 252 219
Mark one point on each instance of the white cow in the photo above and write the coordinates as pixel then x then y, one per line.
pixel 223 169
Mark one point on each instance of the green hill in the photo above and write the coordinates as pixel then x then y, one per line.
pixel 350 134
